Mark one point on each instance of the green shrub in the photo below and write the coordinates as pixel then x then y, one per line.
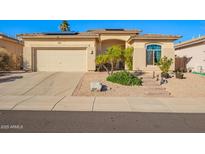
pixel 128 56
pixel 124 78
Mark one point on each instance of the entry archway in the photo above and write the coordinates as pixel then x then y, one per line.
pixel 108 43
pixel 105 44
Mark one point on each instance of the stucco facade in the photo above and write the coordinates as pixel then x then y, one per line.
pixel 195 50
pixel 139 57
pixel 92 43
pixel 14 48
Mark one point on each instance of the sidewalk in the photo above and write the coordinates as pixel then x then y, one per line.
pixel 115 104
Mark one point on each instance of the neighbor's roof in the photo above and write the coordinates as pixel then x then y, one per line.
pixel 154 37
pixel 114 31
pixel 11 39
pixel 190 42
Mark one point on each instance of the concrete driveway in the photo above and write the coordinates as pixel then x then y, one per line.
pixel 40 83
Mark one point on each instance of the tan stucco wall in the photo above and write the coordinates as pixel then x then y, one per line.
pixel 107 40
pixel 88 44
pixel 15 50
pixel 139 56
pixel 123 37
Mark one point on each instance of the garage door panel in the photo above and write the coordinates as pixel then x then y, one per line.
pixel 61 60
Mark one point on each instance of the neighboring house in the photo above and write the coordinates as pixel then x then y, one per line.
pixel 14 48
pixel 77 51
pixel 195 50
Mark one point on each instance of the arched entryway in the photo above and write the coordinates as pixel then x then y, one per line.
pixel 153 54
pixel 108 43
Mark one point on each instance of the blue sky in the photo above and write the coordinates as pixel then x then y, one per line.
pixel 186 28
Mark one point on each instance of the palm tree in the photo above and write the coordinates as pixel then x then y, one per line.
pixel 64 26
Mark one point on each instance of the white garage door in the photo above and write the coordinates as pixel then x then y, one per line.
pixel 61 60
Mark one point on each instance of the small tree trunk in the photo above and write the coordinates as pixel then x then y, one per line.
pixel 106 69
pixel 112 67
pixel 99 68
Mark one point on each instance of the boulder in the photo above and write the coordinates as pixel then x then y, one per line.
pixel 96 86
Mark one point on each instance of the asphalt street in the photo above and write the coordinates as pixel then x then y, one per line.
pixel 100 122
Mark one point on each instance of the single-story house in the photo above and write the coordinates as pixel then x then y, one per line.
pixel 14 48
pixel 77 51
pixel 195 50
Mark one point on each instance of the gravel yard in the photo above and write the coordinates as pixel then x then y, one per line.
pixel 83 89
pixel 192 86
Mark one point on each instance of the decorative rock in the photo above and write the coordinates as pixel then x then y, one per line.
pixel 171 74
pixel 163 80
pixel 96 86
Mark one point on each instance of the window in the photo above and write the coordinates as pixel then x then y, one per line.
pixel 153 54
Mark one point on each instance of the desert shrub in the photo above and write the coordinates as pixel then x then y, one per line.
pixel 124 78
pixel 179 75
pixel 165 64
pixel 4 60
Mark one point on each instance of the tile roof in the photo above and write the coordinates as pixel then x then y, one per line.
pixel 89 33
pixel 58 35
pixel 8 38
pixel 190 42
pixel 154 36
pixel 97 32
pixel 103 31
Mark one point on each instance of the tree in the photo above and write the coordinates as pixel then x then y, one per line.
pixel 102 60
pixel 114 53
pixel 128 57
pixel 111 56
pixel 164 65
pixel 64 26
